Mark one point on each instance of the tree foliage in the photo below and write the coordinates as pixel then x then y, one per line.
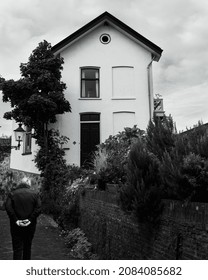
pixel 161 135
pixel 165 164
pixel 142 192
pixel 184 169
pixel 5 148
pixel 38 96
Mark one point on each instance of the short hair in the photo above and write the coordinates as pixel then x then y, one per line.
pixel 26 180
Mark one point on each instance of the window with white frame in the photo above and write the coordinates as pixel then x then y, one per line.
pixel 27 141
pixel 90 83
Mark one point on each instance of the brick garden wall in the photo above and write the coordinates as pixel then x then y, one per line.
pixel 182 234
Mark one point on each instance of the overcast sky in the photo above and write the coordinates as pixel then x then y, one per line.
pixel 179 27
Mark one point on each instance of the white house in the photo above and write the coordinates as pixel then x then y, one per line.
pixel 108 73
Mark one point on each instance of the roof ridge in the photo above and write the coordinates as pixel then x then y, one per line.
pixel 106 15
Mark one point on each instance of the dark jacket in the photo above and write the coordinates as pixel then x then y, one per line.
pixel 23 203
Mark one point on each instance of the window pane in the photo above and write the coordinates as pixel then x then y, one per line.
pixel 89 73
pixel 89 88
pixel 90 117
pixel 90 83
pixel 27 140
pixel 83 94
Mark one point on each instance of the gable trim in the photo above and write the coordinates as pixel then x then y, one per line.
pixel 108 18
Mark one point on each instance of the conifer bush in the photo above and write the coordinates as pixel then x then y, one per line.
pixel 142 194
pixel 161 135
pixel 165 164
pixel 184 176
pixel 182 159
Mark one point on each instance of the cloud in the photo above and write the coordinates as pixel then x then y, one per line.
pixel 185 60
pixel 188 106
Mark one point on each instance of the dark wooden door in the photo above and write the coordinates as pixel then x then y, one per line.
pixel 90 137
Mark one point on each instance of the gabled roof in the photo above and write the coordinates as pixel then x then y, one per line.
pixel 107 18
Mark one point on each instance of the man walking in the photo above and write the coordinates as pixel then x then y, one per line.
pixel 23 207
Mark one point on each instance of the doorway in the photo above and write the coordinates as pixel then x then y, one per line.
pixel 90 136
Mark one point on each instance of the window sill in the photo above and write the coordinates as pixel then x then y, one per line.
pixel 123 98
pixel 28 153
pixel 90 98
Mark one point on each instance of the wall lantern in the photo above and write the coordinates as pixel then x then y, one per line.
pixel 18 133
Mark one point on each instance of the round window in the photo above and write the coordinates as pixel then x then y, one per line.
pixel 105 38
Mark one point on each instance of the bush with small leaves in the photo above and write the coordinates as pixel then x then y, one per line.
pixel 78 244
pixel 142 193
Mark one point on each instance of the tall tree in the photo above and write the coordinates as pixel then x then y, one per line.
pixel 38 96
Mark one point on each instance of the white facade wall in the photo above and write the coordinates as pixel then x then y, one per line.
pixel 18 160
pixel 115 112
pixel 89 51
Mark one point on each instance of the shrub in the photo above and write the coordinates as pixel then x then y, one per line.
pixel 183 169
pixel 76 172
pixel 185 178
pixel 195 170
pixel 183 159
pixel 196 140
pixel 99 160
pixel 164 164
pixel 5 148
pixel 69 213
pixel 161 135
pixel 142 193
pixel 112 155
pixel 7 182
pixel 78 244
pixel 147 204
pixel 100 167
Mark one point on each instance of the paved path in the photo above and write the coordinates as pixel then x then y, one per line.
pixel 47 243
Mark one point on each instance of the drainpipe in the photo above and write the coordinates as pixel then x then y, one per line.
pixel 149 86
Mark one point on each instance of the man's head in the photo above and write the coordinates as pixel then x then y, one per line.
pixel 26 180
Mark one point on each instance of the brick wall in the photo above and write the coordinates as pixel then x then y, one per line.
pixel 182 233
